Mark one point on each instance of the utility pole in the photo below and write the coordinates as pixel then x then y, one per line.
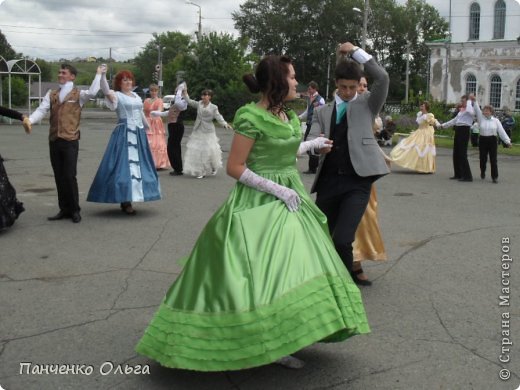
pixel 199 34
pixel 365 25
pixel 407 71
pixel 159 70
pixel 110 65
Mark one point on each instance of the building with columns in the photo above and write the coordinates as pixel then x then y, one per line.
pixel 482 56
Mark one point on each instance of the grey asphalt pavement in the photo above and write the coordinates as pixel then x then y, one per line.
pixel 75 298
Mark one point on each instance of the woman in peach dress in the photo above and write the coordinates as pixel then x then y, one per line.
pixel 156 134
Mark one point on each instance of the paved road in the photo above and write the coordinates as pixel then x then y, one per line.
pixel 81 294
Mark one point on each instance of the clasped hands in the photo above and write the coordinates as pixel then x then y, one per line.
pixel 322 144
pixel 101 69
pixel 347 48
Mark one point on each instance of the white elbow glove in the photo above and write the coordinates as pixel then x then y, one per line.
pixel 316 143
pixel 156 114
pixel 104 84
pixel 288 196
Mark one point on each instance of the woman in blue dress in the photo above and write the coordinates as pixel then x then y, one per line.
pixel 264 279
pixel 127 171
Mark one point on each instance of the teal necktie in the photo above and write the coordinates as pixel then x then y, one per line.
pixel 341 110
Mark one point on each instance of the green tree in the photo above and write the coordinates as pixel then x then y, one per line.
pixel 45 69
pixel 217 62
pixel 392 28
pixel 19 92
pixel 176 45
pixel 6 50
pixel 308 31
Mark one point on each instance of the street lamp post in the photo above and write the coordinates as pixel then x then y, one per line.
pixel 200 17
pixel 365 23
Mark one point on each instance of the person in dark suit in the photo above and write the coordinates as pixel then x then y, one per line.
pixel 315 101
pixel 345 175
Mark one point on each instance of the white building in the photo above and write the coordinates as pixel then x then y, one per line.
pixel 483 55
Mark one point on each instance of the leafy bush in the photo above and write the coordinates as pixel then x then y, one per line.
pixel 19 92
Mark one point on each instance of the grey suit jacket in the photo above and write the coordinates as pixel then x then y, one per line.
pixel 365 154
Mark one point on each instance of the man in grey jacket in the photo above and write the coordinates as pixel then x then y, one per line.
pixel 345 175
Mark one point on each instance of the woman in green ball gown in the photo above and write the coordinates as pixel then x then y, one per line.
pixel 263 279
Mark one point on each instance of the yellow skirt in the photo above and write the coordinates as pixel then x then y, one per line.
pixel 417 152
pixel 368 243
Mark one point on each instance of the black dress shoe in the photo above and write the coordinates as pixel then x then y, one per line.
pixel 482 176
pixel 360 282
pixel 76 218
pixel 61 215
pixel 454 178
pixel 176 173
pixel 467 179
pixel 495 180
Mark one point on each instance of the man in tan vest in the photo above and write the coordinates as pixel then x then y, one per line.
pixel 65 105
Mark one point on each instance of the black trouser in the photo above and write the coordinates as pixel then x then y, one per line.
pixel 64 161
pixel 488 145
pixel 474 139
pixel 313 160
pixel 344 212
pixel 175 134
pixel 461 167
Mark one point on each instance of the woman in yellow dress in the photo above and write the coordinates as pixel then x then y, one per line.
pixel 417 152
pixel 368 243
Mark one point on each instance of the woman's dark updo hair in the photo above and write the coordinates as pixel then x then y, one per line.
pixel 270 79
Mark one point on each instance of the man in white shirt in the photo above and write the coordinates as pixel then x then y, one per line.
pixel 65 105
pixel 461 124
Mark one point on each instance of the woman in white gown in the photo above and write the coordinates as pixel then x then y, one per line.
pixel 203 153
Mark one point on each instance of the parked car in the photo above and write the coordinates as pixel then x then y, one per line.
pixel 167 101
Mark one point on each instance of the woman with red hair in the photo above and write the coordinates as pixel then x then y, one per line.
pixel 127 171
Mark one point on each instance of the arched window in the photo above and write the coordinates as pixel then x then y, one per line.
pixel 500 20
pixel 517 101
pixel 474 22
pixel 471 84
pixel 495 91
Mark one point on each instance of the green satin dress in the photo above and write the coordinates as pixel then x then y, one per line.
pixel 261 282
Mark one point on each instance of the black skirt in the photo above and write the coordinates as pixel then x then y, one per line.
pixel 10 207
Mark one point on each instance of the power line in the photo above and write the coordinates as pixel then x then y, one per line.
pixel 74 29
pixel 65 34
pixel 78 48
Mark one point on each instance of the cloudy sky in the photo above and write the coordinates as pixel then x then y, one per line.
pixel 54 29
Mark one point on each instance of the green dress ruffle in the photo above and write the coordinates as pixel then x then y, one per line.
pixel 261 282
